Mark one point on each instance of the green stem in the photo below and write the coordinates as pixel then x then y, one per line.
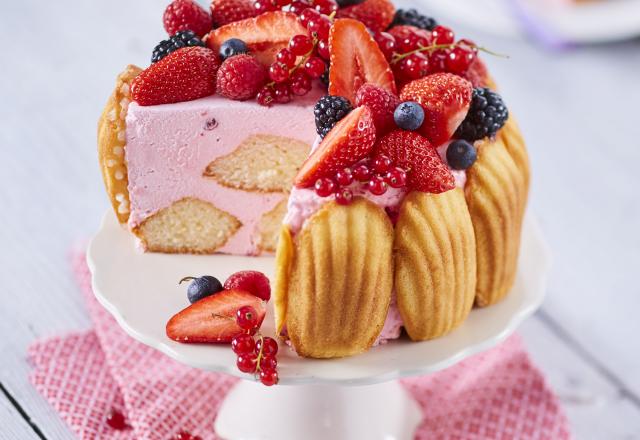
pixel 398 57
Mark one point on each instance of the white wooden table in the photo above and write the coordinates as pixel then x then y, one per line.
pixel 579 112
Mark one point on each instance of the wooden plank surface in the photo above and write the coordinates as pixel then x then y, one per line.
pixel 577 109
pixel 12 424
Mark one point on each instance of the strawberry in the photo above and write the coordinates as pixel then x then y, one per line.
pixel 377 15
pixel 252 281
pixel 182 15
pixel 425 170
pixel 183 75
pixel 213 319
pixel 356 59
pixel 227 11
pixel 350 140
pixel 240 77
pixel 477 73
pixel 382 104
pixel 265 34
pixel 445 98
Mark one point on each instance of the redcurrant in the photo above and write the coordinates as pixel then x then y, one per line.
pixel 243 344
pixel 325 187
pixel 387 44
pixel 268 345
pixel 300 45
pixel 323 49
pixel 247 318
pixel 459 60
pixel 377 186
pixel 396 178
pixel 309 15
pixel 381 164
pixel 268 363
pixel 269 377
pixel 442 35
pixel 314 67
pixel 246 363
pixel 325 7
pixel 282 93
pixel 265 96
pixel 278 72
pixel 361 172
pixel 298 6
pixel 300 83
pixel 344 177
pixel 344 196
pixel 286 57
pixel 262 6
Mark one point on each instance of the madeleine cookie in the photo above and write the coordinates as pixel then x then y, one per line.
pixel 340 281
pixel 496 193
pixel 111 143
pixel 435 263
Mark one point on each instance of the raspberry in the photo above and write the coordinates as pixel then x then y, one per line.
pixel 412 17
pixel 178 41
pixel 486 115
pixel 425 170
pixel 228 11
pixel 240 77
pixel 377 15
pixel 382 104
pixel 182 15
pixel 256 283
pixel 328 111
pixel 184 75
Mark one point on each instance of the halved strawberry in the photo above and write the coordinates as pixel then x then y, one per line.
pixel 265 34
pixel 349 141
pixel 425 170
pixel 377 15
pixel 213 319
pixel 356 59
pixel 184 75
pixel 445 98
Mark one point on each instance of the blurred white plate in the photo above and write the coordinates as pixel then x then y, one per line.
pixel 585 22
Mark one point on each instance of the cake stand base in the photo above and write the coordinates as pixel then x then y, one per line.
pixel 318 412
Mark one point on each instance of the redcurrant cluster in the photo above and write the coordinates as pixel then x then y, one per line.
pixel 375 175
pixel 415 53
pixel 257 357
pixel 305 58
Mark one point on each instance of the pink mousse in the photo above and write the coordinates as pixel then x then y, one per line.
pixel 169 146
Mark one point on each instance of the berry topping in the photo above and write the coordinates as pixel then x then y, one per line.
pixel 409 115
pixel 325 187
pixel 396 178
pixel 243 344
pixel 382 104
pixel 240 77
pixel 348 142
pixel 247 318
pixel 377 186
pixel 224 12
pixel 344 196
pixel 212 319
pixel 381 164
pixel 252 281
pixel 425 170
pixel 231 47
pixel 445 99
pixel 328 111
pixel 362 172
pixel 344 177
pixel 410 38
pixel 442 35
pixel 461 155
pixel 265 34
pixel 201 287
pixel 486 116
pixel 356 59
pixel 412 17
pixel 178 41
pixel 115 419
pixel 182 15
pixel 377 15
pixel 183 75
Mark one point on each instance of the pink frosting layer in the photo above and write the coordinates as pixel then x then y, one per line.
pixel 169 146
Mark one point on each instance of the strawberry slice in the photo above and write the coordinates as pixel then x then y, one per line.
pixel 265 34
pixel 445 98
pixel 349 141
pixel 425 170
pixel 356 59
pixel 183 75
pixel 213 319
pixel 377 15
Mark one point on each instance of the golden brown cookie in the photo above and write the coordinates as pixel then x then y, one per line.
pixel 111 143
pixel 496 193
pixel 435 263
pixel 340 280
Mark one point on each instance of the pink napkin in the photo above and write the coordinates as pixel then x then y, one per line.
pixel 498 394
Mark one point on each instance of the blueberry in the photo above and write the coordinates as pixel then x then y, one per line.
pixel 202 287
pixel 461 155
pixel 409 115
pixel 231 47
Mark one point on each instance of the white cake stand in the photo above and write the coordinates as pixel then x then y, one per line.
pixel 313 399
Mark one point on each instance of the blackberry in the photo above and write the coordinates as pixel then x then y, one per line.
pixel 412 17
pixel 177 41
pixel 487 114
pixel 328 111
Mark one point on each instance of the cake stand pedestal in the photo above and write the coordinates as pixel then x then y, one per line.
pixel 316 399
pixel 318 412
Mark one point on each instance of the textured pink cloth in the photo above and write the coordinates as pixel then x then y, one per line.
pixel 498 394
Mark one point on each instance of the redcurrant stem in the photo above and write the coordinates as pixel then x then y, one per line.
pixel 398 57
pixel 217 315
pixel 259 358
pixel 186 279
